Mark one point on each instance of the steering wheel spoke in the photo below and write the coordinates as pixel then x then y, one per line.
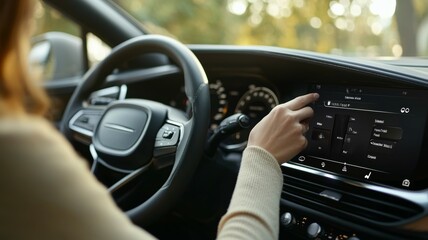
pixel 128 178
pixel 83 124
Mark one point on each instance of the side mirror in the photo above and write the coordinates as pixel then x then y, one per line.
pixel 57 56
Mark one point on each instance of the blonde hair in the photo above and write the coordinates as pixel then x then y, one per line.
pixel 19 93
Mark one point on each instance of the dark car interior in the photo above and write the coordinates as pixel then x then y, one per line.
pixel 364 174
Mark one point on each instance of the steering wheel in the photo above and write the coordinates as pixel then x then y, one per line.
pixel 132 137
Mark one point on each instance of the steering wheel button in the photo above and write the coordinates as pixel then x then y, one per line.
pixel 160 143
pixel 168 134
pixel 83 119
pixel 86 121
pixel 163 143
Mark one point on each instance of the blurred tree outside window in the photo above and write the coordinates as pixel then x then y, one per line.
pixel 49 20
pixel 367 28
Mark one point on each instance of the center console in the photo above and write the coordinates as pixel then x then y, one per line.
pixel 369 134
pixel 364 170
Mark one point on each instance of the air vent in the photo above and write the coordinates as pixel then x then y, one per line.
pixel 348 201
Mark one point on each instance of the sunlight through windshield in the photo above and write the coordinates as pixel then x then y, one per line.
pixel 368 28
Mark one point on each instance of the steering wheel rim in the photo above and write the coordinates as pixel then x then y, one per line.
pixel 190 149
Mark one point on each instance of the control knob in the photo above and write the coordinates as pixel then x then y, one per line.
pixel 314 230
pixel 287 220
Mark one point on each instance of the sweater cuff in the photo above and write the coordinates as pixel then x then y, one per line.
pixel 257 153
pixel 258 190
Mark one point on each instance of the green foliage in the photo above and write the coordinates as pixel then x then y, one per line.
pixel 300 24
pixel 48 19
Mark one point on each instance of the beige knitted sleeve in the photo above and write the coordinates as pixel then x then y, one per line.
pixel 254 209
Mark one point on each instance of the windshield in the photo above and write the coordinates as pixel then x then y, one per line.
pixel 368 28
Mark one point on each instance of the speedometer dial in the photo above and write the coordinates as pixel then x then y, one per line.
pixel 218 103
pixel 255 103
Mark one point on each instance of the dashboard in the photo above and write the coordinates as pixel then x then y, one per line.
pixel 364 174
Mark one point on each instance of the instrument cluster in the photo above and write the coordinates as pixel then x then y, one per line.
pixel 252 96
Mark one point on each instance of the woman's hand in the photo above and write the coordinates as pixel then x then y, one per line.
pixel 282 131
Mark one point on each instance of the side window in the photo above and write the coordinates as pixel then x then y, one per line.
pixel 57 47
pixel 97 50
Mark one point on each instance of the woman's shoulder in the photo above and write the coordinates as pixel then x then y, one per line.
pixel 28 130
pixel 30 139
pixel 18 125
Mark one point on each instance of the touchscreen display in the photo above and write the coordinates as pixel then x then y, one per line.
pixel 369 134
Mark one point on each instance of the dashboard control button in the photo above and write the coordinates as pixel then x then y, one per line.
pixel 391 133
pixel 287 220
pixel 405 110
pixel 320 142
pixel 353 127
pixel 367 176
pixel 381 147
pixel 406 183
pixel 371 156
pixel 349 146
pixel 338 136
pixel 320 134
pixel 314 230
pixel 324 121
